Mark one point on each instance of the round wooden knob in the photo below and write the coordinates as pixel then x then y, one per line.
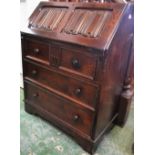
pixel 35 95
pixel 75 118
pixel 34 72
pixel 77 91
pixel 36 50
pixel 75 63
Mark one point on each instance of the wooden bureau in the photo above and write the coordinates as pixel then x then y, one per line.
pixel 78 67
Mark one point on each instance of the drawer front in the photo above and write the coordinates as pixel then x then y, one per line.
pixel 57 106
pixel 36 50
pixel 76 89
pixel 76 62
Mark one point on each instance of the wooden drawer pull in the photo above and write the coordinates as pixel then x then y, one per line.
pixel 36 50
pixel 78 92
pixel 35 95
pixel 75 63
pixel 34 72
pixel 76 118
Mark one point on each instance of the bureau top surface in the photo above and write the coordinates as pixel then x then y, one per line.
pixel 86 24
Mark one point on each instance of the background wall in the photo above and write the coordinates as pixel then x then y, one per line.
pixel 26 8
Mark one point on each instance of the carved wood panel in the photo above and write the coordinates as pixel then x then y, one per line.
pixel 48 18
pixel 89 23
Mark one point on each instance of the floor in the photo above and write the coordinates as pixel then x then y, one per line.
pixel 38 137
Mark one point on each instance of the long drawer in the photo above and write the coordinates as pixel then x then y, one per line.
pixel 76 117
pixel 81 91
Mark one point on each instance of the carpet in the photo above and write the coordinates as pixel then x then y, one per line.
pixel 38 137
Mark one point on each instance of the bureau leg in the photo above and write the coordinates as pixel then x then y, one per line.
pixel 93 148
pixel 95 144
pixel 29 109
pixel 124 105
pixel 123 110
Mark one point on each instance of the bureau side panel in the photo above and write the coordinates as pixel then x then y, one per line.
pixel 113 73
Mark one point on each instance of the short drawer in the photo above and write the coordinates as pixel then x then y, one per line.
pixel 74 61
pixel 36 50
pixel 79 119
pixel 80 91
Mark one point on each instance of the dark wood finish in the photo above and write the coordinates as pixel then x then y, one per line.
pixel 78 67
pixel 78 62
pixel 100 42
pixel 59 83
pixel 36 50
pixel 115 70
pixel 79 119
pixel 127 92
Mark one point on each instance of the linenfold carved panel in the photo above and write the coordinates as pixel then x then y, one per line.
pixel 85 22
pixel 48 18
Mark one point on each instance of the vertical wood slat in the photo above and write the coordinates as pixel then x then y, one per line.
pixel 75 20
pixel 35 21
pixel 49 18
pixel 79 22
pixel 56 13
pixel 82 22
pixel 46 10
pixel 59 15
pixel 91 21
pixel 46 18
pixel 87 23
pixel 92 25
pixel 68 25
pixel 100 24
pixel 99 17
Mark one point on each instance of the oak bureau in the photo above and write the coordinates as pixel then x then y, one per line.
pixel 78 67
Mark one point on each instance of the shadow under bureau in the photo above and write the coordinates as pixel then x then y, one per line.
pixel 78 67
